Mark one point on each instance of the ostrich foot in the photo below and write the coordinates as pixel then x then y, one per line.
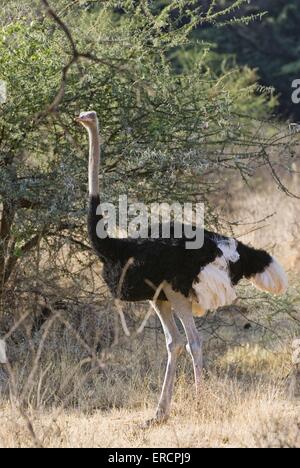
pixel 160 417
pixel 152 422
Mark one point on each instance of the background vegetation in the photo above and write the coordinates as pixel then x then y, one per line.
pixel 183 93
pixel 270 46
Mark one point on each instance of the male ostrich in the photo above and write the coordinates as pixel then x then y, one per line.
pixel 189 282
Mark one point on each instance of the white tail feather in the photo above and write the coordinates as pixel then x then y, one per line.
pixel 229 249
pixel 273 279
pixel 213 287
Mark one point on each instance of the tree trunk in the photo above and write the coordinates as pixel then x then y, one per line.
pixel 7 219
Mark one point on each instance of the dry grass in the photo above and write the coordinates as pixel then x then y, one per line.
pixel 246 408
pixel 227 415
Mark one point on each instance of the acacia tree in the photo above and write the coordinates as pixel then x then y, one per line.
pixel 169 131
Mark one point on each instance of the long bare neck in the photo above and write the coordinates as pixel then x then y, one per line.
pixel 94 161
pixel 104 247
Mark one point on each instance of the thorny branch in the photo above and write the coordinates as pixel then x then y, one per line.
pixel 76 56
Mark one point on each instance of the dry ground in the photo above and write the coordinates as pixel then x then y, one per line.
pixel 245 402
pixel 226 417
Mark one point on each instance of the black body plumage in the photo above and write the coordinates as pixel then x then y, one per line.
pixel 158 260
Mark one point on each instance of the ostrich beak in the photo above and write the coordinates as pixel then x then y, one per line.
pixel 83 120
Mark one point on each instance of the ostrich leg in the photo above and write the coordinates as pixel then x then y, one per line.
pixel 183 309
pixel 175 345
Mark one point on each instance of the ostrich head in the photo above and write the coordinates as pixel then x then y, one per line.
pixel 88 119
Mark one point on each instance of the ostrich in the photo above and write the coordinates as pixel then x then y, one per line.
pixel 189 281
